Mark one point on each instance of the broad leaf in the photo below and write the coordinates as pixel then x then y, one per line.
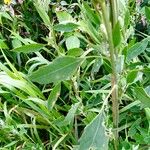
pixel 72 42
pixel 62 68
pixel 136 50
pixel 63 16
pixel 117 35
pixel 54 96
pixel 94 135
pixel 29 48
pixel 132 76
pixel 147 13
pixel 3 45
pixel 75 52
pixel 142 96
pixel 67 27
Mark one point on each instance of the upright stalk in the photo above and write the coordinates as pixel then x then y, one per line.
pixel 113 57
pixel 114 11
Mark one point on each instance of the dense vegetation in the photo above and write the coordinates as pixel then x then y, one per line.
pixel 75 75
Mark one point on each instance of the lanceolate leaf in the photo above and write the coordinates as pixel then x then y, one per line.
pixel 67 27
pixel 62 68
pixel 71 114
pixel 142 96
pixel 136 49
pixel 94 136
pixel 29 48
pixel 117 35
pixel 54 96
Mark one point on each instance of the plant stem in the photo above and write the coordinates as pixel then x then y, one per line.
pixel 114 12
pixel 114 82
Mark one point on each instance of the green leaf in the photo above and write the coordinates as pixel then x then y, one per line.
pixel 132 76
pixel 29 48
pixel 94 135
pixel 116 35
pixel 92 16
pixel 142 96
pixel 147 13
pixel 97 64
pixel 3 45
pixel 63 16
pixel 72 42
pixel 75 52
pixel 54 96
pixel 127 19
pixel 67 27
pixel 136 50
pixel 42 12
pixel 120 63
pixel 70 116
pixel 62 68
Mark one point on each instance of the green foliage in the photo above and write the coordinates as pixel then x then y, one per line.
pixel 94 135
pixel 56 83
pixel 62 68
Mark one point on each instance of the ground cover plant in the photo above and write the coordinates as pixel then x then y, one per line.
pixel 74 75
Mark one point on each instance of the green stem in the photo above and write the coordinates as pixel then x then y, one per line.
pixel 114 12
pixel 114 82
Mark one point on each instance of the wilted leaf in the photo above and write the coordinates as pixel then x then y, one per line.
pixel 62 68
pixel 94 136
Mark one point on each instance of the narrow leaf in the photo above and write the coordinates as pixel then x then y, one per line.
pixel 42 12
pixel 92 16
pixel 29 48
pixel 94 135
pixel 67 27
pixel 54 96
pixel 62 68
pixel 70 116
pixel 136 50
pixel 142 96
pixel 117 35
